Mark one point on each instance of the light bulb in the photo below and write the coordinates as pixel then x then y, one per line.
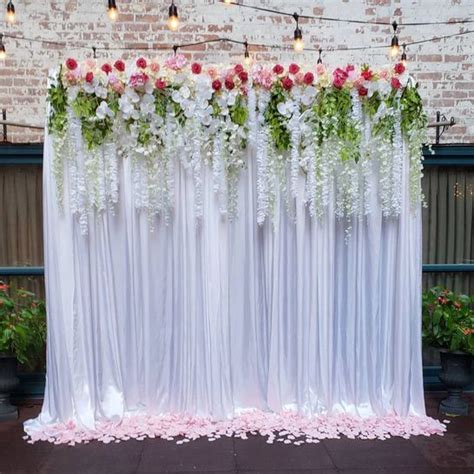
pixel 247 60
pixel 228 2
pixel 10 12
pixel 394 50
pixel 113 13
pixel 298 43
pixel 173 20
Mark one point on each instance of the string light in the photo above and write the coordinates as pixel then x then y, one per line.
pixel 320 59
pixel 173 20
pixel 112 10
pixel 247 58
pixel 394 47
pixel 404 54
pixel 3 51
pixel 10 12
pixel 298 44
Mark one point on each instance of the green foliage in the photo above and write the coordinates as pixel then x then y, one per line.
pixel 161 102
pixel 57 98
pixel 22 326
pixel 239 112
pixel 448 320
pixel 277 122
pixel 411 106
pixel 95 131
pixel 332 112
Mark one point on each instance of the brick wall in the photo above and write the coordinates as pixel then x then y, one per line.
pixel 445 70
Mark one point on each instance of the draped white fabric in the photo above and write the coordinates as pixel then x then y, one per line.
pixel 213 316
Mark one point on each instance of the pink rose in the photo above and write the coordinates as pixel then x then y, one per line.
pixel 383 74
pixel 119 65
pixel 396 84
pixel 160 84
pixel 287 83
pixel 320 69
pixel 71 64
pixel 244 90
pixel 308 78
pixel 176 62
pixel 399 68
pixel 196 68
pixel 299 78
pixel 155 67
pixel 229 83
pixel 107 68
pixel 212 72
pixel 141 63
pixel 89 77
pixel 350 68
pixel 243 76
pixel 118 87
pixel 217 85
pixel 339 77
pixel 278 69
pixel 138 79
pixel 70 77
pixel 294 69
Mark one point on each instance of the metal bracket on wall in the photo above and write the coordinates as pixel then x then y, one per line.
pixel 4 122
pixel 441 125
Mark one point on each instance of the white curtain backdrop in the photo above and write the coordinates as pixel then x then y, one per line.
pixel 217 316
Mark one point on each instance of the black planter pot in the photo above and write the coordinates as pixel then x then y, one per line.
pixel 455 374
pixel 8 382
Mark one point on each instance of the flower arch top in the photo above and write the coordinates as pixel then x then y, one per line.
pixel 325 125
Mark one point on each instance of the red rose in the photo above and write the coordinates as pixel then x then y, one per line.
pixel 243 76
pixel 350 68
pixel 160 84
pixel 363 91
pixel 107 68
pixel 141 63
pixel 217 85
pixel 308 78
pixel 238 68
pixel 396 83
pixel 287 83
pixel 339 77
pixel 399 68
pixel 229 83
pixel 294 69
pixel 89 77
pixel 278 69
pixel 196 68
pixel 367 74
pixel 71 64
pixel 119 65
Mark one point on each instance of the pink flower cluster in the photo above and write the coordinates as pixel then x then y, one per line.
pixel 145 71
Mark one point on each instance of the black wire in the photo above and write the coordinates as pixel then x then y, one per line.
pixel 346 20
pixel 163 47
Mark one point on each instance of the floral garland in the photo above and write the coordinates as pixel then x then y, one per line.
pixel 331 128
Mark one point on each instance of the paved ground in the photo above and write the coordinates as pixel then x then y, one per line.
pixel 451 454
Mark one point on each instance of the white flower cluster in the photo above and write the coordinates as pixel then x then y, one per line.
pixel 197 129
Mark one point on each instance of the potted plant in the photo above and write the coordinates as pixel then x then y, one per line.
pixel 22 340
pixel 448 324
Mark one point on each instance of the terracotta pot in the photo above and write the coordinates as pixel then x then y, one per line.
pixel 8 382
pixel 455 374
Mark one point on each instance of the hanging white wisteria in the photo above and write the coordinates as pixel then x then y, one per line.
pixel 331 131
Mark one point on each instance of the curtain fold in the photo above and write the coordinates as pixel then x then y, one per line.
pixel 213 317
